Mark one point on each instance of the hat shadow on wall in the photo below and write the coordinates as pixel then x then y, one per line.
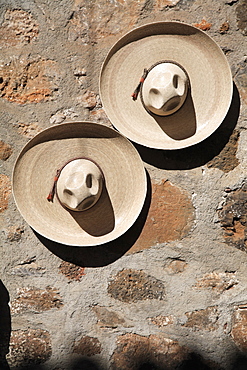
pixel 5 326
pixel 198 154
pixel 101 255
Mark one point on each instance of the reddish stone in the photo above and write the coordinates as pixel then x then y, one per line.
pixel 23 81
pixel 203 25
pixel 71 271
pixel 31 346
pixel 226 160
pixel 233 218
pixel 205 319
pixel 224 27
pixel 170 216
pixel 134 352
pixel 35 299
pixel 18 28
pixel 162 321
pixel 107 318
pixel 217 281
pixel 239 327
pixel 133 285
pixel 5 191
pixel 28 130
pixel 5 150
pixel 87 346
pixel 176 266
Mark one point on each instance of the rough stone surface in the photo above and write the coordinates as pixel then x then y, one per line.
pixel 170 216
pixel 108 318
pixel 233 217
pixel 176 266
pixel 99 116
pixel 239 327
pixel 31 269
pixel 71 271
pixel 205 319
pixel 28 268
pixel 203 25
pixel 23 81
pixel 135 352
pixel 226 161
pixel 217 281
pixel 91 22
pixel 29 347
pixel 241 81
pixel 224 27
pixel 87 346
pixel 162 321
pixel 180 271
pixel 132 286
pixel 89 100
pixel 161 4
pixel 36 300
pixel 19 28
pixel 14 233
pixel 5 150
pixel 5 191
pixel 241 11
pixel 28 130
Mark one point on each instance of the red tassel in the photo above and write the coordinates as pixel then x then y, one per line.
pixel 138 88
pixel 50 196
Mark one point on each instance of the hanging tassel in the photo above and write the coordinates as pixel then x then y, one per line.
pixel 50 196
pixel 138 88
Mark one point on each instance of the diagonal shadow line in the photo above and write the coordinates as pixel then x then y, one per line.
pixel 105 254
pixel 198 154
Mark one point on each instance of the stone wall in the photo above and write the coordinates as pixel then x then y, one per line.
pixel 171 292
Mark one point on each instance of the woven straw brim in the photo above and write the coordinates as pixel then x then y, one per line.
pixel 209 74
pixel 122 198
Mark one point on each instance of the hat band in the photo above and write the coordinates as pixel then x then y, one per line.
pixel 138 89
pixel 53 191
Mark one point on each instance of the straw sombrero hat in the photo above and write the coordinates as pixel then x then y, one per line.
pixel 79 183
pixel 185 87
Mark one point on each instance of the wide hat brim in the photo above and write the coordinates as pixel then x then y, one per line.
pixel 122 198
pixel 210 81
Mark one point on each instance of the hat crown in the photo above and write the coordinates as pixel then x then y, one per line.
pixel 79 185
pixel 165 88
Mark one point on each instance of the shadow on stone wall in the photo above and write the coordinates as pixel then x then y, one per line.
pixel 85 363
pixel 5 326
pixel 240 362
pixel 193 362
pixel 79 364
pixel 104 254
pixel 199 154
pixel 196 362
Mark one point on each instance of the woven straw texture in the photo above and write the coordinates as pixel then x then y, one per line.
pixel 210 79
pixel 122 198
